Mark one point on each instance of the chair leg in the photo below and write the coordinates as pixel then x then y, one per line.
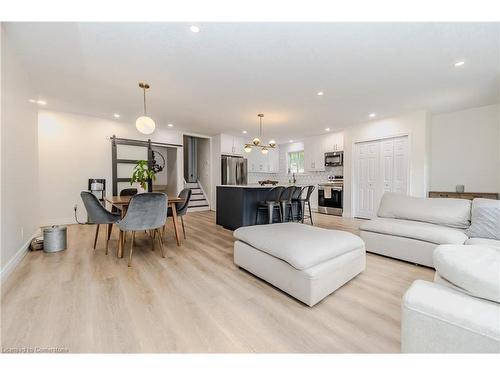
pixel 110 228
pixel 131 249
pixel 183 230
pixel 270 213
pixel 257 216
pixel 310 213
pixel 161 245
pixel 96 235
pixel 292 211
pixel 152 234
pixel 302 211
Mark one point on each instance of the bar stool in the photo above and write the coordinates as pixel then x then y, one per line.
pixel 286 202
pixel 306 200
pixel 271 204
pixel 297 194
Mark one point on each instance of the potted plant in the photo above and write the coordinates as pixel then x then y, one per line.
pixel 141 174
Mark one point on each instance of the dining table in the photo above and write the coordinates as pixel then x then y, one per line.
pixel 122 203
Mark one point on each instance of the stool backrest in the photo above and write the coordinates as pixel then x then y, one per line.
pixel 287 194
pixel 297 193
pixel 310 190
pixel 274 195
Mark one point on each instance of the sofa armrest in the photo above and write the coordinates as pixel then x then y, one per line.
pixel 438 319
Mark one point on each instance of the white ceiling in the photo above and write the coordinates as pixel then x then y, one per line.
pixel 217 80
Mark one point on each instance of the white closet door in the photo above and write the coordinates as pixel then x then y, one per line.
pixel 367 174
pixel 400 181
pixel 387 165
pixel 381 166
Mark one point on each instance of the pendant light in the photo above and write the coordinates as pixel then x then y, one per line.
pixel 145 124
pixel 256 142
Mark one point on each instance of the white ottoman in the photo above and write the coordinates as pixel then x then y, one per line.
pixel 304 261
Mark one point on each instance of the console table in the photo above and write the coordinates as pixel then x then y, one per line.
pixel 465 195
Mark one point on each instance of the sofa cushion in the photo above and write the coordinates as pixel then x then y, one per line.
pixel 475 269
pixel 483 242
pixel 485 219
pixel 300 245
pixel 442 211
pixel 416 230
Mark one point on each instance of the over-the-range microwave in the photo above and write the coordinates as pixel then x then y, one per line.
pixel 334 159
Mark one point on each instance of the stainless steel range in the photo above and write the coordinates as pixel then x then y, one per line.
pixel 331 196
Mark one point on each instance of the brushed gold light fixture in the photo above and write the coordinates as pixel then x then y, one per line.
pixel 256 142
pixel 145 124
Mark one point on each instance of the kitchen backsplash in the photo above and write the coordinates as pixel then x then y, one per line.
pixel 308 178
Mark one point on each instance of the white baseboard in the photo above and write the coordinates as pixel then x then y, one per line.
pixel 16 259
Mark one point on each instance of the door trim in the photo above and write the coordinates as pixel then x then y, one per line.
pixel 354 160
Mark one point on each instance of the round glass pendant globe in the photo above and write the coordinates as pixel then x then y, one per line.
pixel 256 141
pixel 248 149
pixel 265 151
pixel 145 125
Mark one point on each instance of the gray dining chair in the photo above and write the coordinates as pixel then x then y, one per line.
pixel 148 212
pixel 128 192
pixel 182 207
pixel 97 214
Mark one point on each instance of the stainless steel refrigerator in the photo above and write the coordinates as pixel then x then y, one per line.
pixel 234 170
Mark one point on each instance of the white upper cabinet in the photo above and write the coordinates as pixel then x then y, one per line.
pixel 260 163
pixel 334 142
pixel 231 145
pixel 314 154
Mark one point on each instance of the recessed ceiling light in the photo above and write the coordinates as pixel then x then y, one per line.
pixel 170 125
pixel 194 29
pixel 327 129
pixel 116 115
pixel 459 64
pixel 41 102
pixel 291 141
pixel 32 100
pixel 372 115
pixel 244 132
pixel 321 93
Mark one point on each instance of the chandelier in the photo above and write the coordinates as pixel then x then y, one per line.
pixel 256 141
pixel 145 124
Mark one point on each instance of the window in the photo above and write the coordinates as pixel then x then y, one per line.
pixel 296 162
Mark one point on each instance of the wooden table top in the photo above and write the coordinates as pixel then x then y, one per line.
pixel 115 199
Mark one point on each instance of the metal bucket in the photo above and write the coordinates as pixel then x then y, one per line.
pixel 54 239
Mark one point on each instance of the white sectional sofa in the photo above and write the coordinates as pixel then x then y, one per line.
pixel 460 311
pixel 410 228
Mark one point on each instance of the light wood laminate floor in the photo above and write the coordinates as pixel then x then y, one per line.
pixel 194 300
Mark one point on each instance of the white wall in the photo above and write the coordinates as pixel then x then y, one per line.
pixel 415 125
pixel 73 148
pixel 19 158
pixel 465 150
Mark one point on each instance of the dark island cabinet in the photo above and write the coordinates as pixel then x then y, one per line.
pixel 237 205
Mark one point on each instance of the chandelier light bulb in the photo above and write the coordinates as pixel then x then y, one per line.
pixel 256 141
pixel 265 151
pixel 248 148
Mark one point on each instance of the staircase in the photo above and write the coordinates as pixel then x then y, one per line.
pixel 198 200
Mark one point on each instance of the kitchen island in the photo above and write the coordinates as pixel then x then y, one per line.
pixel 237 204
